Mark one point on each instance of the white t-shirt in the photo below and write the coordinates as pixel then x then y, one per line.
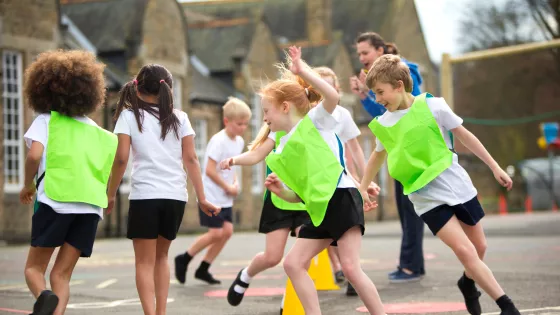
pixel 221 147
pixel 39 131
pixel 325 124
pixel 453 186
pixel 157 165
pixel 346 128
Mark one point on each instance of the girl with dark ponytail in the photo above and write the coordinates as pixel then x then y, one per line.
pixel 145 117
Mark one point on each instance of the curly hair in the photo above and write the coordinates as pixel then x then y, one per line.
pixel 69 82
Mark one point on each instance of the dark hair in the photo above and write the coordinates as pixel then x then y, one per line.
pixel 69 82
pixel 392 48
pixel 373 39
pixel 151 80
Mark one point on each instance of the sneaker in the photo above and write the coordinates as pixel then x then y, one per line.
pixel 393 273
pixel 350 291
pixel 401 277
pixel 234 298
pixel 46 303
pixel 205 276
pixel 471 295
pixel 339 276
pixel 181 268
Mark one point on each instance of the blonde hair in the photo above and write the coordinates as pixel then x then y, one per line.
pixel 389 69
pixel 235 108
pixel 326 72
pixel 289 88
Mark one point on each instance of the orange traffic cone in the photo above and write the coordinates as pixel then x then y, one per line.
pixel 502 205
pixel 528 204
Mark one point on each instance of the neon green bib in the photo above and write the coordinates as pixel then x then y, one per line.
pixel 79 161
pixel 277 201
pixel 416 150
pixel 308 166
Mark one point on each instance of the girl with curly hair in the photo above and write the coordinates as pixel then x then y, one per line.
pixel 71 157
pixel 162 143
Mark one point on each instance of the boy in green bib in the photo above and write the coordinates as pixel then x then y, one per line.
pixel 416 136
pixel 308 166
pixel 71 158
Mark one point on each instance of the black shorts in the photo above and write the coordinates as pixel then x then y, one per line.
pixel 345 210
pixel 52 229
pixel 273 218
pixel 148 218
pixel 469 213
pixel 216 221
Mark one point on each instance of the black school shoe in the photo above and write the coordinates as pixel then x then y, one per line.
pixel 471 295
pixel 350 291
pixel 510 311
pixel 234 298
pixel 46 303
pixel 205 276
pixel 181 268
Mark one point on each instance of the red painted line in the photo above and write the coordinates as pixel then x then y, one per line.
pixel 249 292
pixel 9 310
pixel 419 308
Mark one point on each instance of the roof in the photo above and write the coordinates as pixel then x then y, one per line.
pixel 206 89
pixel 111 25
pixel 216 47
pixel 321 55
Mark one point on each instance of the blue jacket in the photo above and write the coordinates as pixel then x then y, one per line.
pixel 375 109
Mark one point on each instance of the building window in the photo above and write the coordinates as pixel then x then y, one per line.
pixel 201 138
pixel 257 174
pixel 177 93
pixel 13 120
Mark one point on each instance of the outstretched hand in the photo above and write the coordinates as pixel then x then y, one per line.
pixel 226 164
pixel 295 55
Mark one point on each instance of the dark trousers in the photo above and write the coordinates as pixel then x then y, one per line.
pixel 412 256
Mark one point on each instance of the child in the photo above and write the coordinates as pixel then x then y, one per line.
pixel 221 187
pixel 162 143
pixel 318 180
pixel 416 134
pixel 71 187
pixel 348 132
pixel 278 217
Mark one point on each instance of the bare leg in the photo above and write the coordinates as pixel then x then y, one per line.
pixel 145 260
pixel 296 265
pixel 349 248
pixel 61 273
pixel 161 274
pixel 273 252
pixel 452 235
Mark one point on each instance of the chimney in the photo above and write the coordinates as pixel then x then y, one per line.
pixel 318 20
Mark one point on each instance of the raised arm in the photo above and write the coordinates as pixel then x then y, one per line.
pixel 330 95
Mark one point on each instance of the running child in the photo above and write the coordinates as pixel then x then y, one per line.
pixel 318 179
pixel 416 136
pixel 221 188
pixel 71 158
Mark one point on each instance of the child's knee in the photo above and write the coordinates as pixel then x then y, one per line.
pixel 60 274
pixel 273 258
pixel 227 232
pixel 466 253
pixel 481 248
pixel 350 269
pixel 293 263
pixel 216 234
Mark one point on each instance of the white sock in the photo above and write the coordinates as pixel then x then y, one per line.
pixel 245 278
